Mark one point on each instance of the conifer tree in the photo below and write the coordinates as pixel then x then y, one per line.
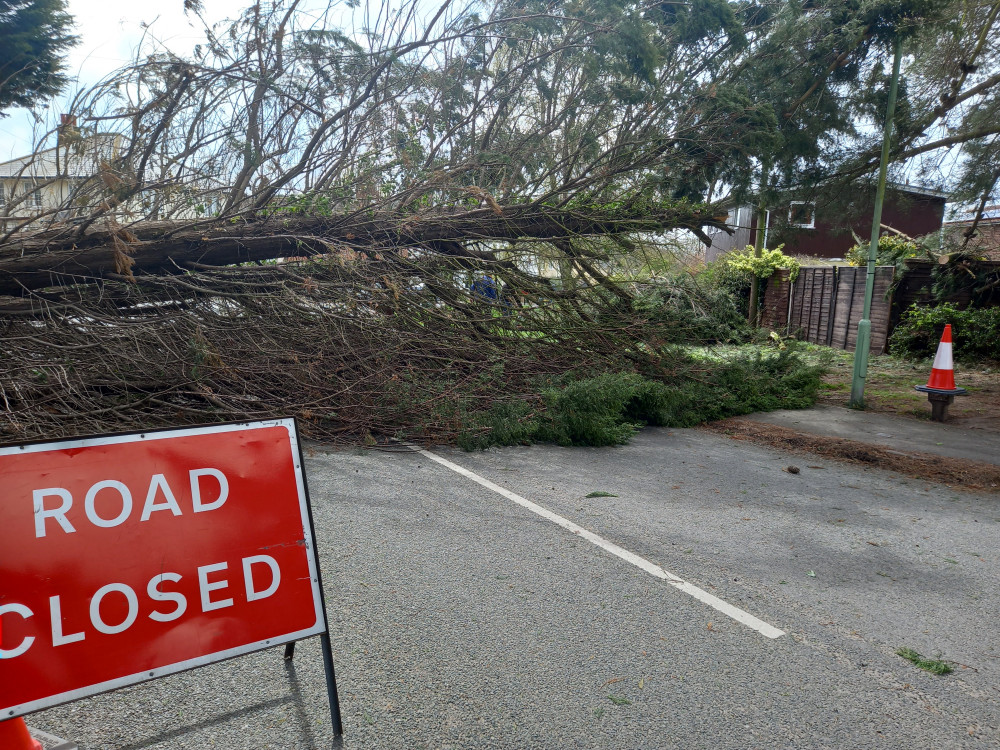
pixel 34 35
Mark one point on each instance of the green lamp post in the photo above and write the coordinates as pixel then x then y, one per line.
pixel 864 340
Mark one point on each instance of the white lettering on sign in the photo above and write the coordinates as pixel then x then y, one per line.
pixel 90 501
pixel 154 593
pixel 207 588
pixel 24 645
pixel 41 512
pixel 95 609
pixel 196 475
pixel 58 623
pixel 159 482
pixel 248 576
pixel 113 492
pixel 55 616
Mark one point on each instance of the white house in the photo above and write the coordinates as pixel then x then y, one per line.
pixel 43 185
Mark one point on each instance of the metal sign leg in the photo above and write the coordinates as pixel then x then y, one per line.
pixel 331 685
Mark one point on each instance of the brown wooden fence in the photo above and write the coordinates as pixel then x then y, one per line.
pixel 824 304
pixel 915 287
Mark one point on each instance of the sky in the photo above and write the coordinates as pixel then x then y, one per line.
pixel 109 30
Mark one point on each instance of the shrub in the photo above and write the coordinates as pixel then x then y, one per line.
pixel 734 271
pixel 892 250
pixel 683 311
pixel 608 409
pixel 745 263
pixel 975 331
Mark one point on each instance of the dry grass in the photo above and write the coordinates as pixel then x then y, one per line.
pixel 889 389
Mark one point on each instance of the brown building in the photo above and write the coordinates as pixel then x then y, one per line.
pixel 985 240
pixel 824 229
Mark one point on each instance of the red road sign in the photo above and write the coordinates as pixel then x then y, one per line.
pixel 128 557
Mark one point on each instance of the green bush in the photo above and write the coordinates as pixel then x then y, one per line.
pixel 609 409
pixel 734 271
pixel 975 332
pixel 684 311
pixel 892 250
pixel 746 264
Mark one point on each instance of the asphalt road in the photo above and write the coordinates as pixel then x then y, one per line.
pixel 461 619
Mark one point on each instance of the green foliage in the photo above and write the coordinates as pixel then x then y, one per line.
pixel 505 423
pixel 892 250
pixel 592 411
pixel 684 311
pixel 608 409
pixel 975 332
pixel 34 34
pixel 742 384
pixel 965 273
pixel 745 263
pixel 934 666
pixel 734 271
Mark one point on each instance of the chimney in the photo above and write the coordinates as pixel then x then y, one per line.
pixel 67 127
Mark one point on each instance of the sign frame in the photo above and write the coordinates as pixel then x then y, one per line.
pixel 321 625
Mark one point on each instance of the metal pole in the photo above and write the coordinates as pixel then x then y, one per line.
pixel 331 684
pixel 863 344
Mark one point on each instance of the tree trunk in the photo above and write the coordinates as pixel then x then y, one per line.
pixel 758 247
pixel 58 257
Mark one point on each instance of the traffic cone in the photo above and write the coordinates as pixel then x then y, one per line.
pixel 14 736
pixel 940 388
pixel 943 370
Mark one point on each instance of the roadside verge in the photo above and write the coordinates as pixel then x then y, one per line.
pixel 960 473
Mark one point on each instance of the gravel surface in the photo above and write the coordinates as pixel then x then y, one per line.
pixel 461 620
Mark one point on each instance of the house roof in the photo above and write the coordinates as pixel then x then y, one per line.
pixel 991 214
pixel 917 190
pixel 80 160
pixel 898 187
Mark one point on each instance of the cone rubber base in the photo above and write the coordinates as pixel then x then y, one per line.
pixel 944 391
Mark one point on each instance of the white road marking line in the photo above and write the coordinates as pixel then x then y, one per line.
pixel 715 602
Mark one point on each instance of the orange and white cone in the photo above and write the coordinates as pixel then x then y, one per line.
pixel 943 370
pixel 941 383
pixel 14 736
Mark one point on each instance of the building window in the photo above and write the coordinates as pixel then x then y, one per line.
pixel 802 214
pixel 36 199
pixel 3 196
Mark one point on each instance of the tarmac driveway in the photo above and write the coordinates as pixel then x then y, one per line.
pixel 462 617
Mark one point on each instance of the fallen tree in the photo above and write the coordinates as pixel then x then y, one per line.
pixel 419 175
pixel 369 348
pixel 65 256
